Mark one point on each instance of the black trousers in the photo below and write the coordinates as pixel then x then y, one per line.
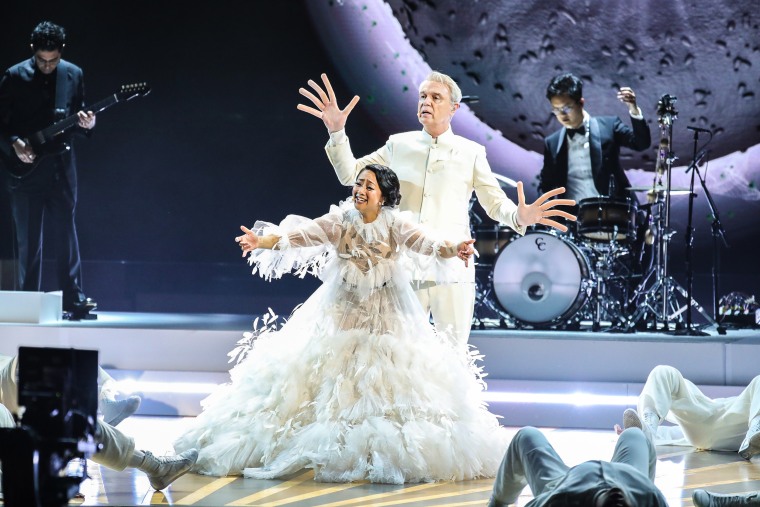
pixel 47 192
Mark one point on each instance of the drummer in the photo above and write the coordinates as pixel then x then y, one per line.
pixel 584 154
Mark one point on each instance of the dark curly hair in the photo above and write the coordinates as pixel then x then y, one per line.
pixel 48 36
pixel 388 182
pixel 565 84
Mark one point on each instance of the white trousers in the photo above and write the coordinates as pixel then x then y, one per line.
pixel 117 448
pixel 452 306
pixel 719 424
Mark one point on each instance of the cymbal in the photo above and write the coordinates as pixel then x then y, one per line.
pixel 660 190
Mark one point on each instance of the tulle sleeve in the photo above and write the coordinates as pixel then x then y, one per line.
pixel 305 244
pixel 423 250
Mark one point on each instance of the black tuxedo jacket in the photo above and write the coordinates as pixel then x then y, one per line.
pixel 606 135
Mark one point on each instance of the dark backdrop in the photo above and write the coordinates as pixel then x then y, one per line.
pixel 166 180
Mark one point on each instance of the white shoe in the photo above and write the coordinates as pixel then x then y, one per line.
pixel 631 419
pixel 164 470
pixel 751 444
pixel 116 411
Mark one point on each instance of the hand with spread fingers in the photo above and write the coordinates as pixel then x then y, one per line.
pixel 248 242
pixel 327 108
pixel 541 211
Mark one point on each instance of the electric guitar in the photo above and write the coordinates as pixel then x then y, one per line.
pixel 46 142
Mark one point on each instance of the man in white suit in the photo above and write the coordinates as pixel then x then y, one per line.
pixel 438 172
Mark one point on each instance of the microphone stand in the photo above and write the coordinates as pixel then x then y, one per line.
pixel 690 240
pixel 717 232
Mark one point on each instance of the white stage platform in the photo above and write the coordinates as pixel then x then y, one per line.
pixel 571 379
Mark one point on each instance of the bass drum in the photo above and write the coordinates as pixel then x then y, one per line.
pixel 541 279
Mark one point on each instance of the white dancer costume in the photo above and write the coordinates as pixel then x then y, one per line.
pixel 718 424
pixel 357 384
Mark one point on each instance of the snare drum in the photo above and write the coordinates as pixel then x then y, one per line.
pixel 489 241
pixel 542 279
pixel 605 219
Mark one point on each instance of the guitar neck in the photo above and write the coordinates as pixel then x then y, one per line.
pixel 60 126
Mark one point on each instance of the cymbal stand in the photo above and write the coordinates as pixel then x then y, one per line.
pixel 659 300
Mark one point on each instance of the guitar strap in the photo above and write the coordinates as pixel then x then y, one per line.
pixel 62 86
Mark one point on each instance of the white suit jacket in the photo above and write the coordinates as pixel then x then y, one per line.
pixel 437 179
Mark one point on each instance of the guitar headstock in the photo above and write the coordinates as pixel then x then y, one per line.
pixel 130 91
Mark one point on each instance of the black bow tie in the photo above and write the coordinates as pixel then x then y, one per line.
pixel 580 130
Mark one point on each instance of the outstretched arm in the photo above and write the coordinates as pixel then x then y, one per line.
pixel 326 105
pixel 249 241
pixel 463 250
pixel 541 211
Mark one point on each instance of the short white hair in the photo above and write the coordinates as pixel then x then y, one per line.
pixel 454 90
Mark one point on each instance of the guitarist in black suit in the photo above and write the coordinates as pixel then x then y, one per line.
pixel 33 95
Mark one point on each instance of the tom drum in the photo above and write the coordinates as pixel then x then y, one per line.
pixel 605 219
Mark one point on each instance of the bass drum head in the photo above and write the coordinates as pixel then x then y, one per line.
pixel 539 278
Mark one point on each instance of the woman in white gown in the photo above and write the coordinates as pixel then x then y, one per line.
pixel 357 384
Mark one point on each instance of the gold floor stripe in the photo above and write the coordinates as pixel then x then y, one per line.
pixel 204 491
pixel 157 498
pixel 435 497
pixel 95 473
pixel 687 450
pixel 378 496
pixel 295 481
pixel 712 468
pixel 314 494
pixel 470 502
pixel 720 483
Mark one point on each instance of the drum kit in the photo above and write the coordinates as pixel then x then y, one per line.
pixel 550 279
pixel 608 272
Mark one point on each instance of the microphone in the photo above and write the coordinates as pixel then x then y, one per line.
pixel 469 99
pixel 697 159
pixel 699 129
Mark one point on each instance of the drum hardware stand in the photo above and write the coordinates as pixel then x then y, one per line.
pixel 484 301
pixel 660 300
pixel 605 306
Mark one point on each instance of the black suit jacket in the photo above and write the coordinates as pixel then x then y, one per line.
pixel 606 135
pixel 27 105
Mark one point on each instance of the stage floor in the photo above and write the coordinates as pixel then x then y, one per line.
pixel 572 384
pixel 679 471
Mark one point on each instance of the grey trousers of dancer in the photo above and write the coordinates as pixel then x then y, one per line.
pixel 719 424
pixel 532 461
pixel 117 448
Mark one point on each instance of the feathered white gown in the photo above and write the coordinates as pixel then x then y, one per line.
pixel 357 384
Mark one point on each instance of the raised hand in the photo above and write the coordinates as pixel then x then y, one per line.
pixel 540 212
pixel 248 242
pixel 326 104
pixel 628 97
